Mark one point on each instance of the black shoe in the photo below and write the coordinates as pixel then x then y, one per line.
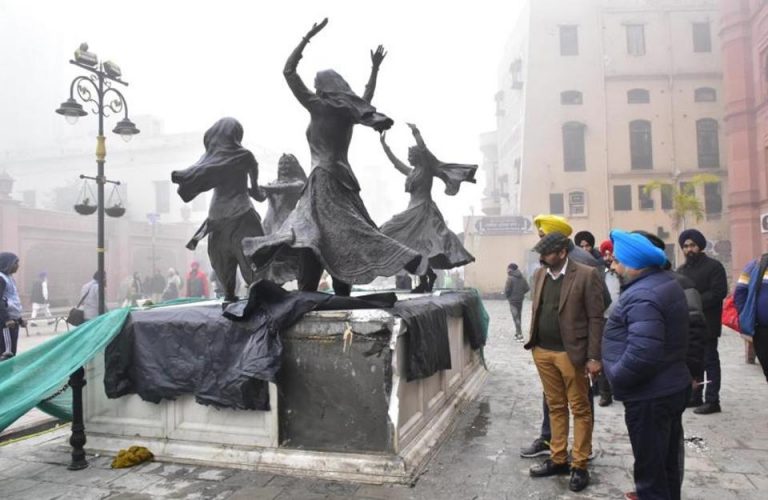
pixel 539 447
pixel 579 479
pixel 605 401
pixel 708 408
pixel 549 468
pixel 6 356
pixel 694 402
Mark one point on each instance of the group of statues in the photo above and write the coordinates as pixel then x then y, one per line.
pixel 319 222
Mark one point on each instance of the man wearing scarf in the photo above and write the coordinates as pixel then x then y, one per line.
pixel 566 330
pixel 711 282
pixel 10 306
pixel 644 357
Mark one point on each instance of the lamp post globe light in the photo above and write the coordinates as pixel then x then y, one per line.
pixel 97 90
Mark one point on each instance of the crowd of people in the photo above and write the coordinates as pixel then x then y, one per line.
pixel 615 319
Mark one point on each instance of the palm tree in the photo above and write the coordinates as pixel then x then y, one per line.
pixel 685 204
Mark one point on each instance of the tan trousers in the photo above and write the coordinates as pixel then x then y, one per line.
pixel 566 385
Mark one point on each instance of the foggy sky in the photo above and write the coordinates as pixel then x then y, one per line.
pixel 191 62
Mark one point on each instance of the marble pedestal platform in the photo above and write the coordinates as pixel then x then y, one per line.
pixel 343 409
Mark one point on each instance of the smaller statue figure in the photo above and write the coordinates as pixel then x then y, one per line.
pixel 421 226
pixel 282 196
pixel 226 168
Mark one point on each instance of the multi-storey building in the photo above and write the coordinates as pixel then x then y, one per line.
pixel 597 100
pixel 744 35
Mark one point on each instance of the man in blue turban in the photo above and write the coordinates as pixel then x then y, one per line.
pixel 644 357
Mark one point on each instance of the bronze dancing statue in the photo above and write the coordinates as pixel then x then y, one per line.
pixel 282 195
pixel 226 166
pixel 330 227
pixel 421 226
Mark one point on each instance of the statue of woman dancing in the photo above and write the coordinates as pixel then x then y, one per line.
pixel 226 167
pixel 330 227
pixel 282 195
pixel 421 226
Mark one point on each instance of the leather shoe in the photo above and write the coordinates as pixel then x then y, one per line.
pixel 708 408
pixel 605 401
pixel 6 356
pixel 549 468
pixel 579 479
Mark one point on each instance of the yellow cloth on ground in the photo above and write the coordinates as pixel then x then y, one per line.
pixel 134 455
pixel 548 223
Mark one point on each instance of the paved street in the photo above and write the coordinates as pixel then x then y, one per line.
pixel 727 453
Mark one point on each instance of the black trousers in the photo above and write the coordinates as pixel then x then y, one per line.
pixel 760 343
pixel 9 338
pixel 655 430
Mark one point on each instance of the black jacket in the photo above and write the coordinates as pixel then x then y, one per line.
pixel 516 286
pixel 697 327
pixel 708 275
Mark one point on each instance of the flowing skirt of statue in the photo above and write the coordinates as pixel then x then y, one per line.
pixel 423 229
pixel 332 221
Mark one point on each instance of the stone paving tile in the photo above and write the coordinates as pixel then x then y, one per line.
pixel 253 492
pixel 249 478
pixel 97 478
pixel 134 481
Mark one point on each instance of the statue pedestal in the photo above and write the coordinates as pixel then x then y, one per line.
pixel 343 409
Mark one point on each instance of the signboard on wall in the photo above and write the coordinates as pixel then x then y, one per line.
pixel 504 224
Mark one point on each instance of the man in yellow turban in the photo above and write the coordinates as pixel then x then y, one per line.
pixel 548 223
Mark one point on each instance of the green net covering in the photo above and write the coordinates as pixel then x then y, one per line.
pixel 38 377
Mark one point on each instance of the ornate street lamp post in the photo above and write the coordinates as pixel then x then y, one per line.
pixel 97 90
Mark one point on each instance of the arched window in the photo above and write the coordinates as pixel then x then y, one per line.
pixel 638 96
pixel 571 97
pixel 574 156
pixel 640 144
pixel 707 143
pixel 705 94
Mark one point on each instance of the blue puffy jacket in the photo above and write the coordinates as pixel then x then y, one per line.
pixel 645 339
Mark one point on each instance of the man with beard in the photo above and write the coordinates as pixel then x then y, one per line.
pixel 710 280
pixel 644 352
pixel 566 331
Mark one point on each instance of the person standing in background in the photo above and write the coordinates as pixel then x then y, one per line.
pixel 40 299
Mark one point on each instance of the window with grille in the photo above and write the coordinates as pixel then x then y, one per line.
pixel 622 198
pixel 571 97
pixel 635 39
pixel 705 94
pixel 646 198
pixel 667 197
pixel 640 145
pixel 702 38
pixel 577 203
pixel 569 40
pixel 574 153
pixel 707 143
pixel 713 198
pixel 638 96
pixel 556 203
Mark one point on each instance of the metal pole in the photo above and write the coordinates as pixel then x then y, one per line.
pixel 77 380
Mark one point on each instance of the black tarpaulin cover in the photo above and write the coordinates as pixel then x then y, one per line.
pixel 167 352
pixel 226 360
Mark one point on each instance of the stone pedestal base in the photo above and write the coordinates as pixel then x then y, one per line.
pixel 343 409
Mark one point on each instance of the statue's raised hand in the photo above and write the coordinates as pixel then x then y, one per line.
pixel 316 28
pixel 413 127
pixel 383 136
pixel 378 56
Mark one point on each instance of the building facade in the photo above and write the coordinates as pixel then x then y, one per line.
pixel 744 38
pixel 609 112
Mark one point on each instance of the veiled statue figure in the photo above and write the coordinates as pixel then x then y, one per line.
pixel 282 195
pixel 421 226
pixel 226 166
pixel 330 227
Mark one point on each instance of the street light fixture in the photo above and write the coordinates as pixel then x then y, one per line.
pixel 97 90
